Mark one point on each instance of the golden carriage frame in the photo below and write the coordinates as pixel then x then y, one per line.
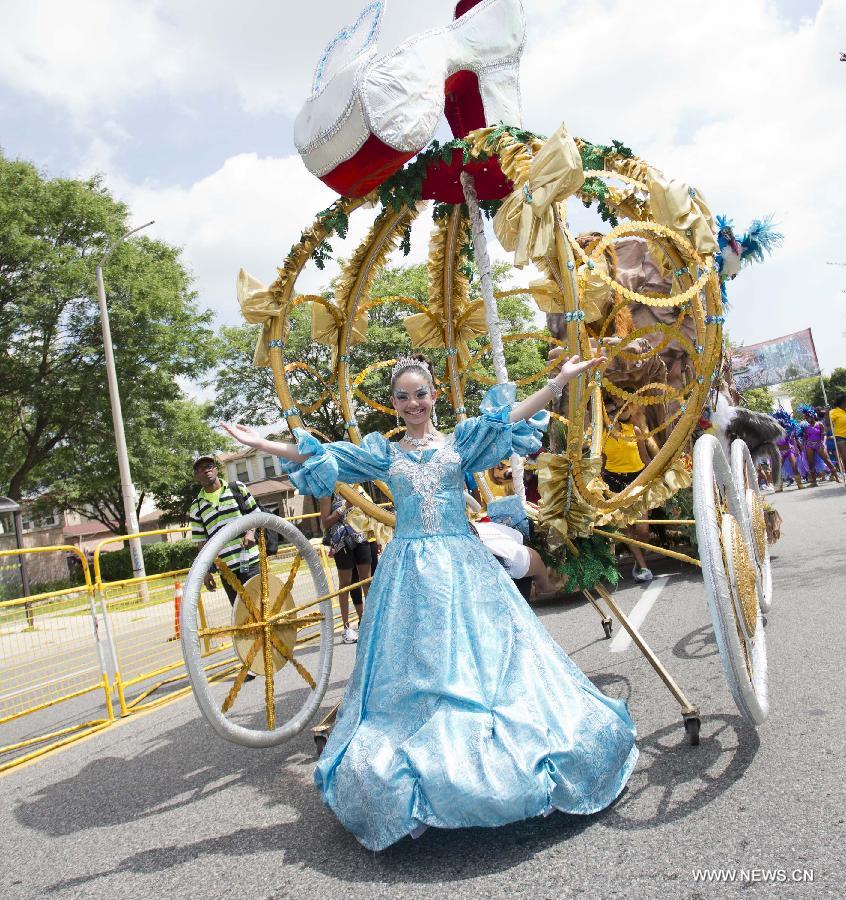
pixel 727 502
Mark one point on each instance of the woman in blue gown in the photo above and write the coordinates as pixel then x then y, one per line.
pixel 461 710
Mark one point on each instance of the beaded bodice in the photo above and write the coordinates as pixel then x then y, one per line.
pixel 428 489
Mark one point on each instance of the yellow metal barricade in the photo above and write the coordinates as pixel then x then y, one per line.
pixel 54 686
pixel 67 656
pixel 142 619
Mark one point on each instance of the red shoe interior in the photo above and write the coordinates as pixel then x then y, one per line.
pixel 374 163
pixel 442 180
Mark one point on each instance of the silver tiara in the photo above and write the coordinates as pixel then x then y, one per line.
pixel 408 362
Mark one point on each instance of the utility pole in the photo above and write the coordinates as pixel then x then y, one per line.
pixel 127 488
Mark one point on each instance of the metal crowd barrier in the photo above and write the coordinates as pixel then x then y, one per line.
pixel 74 661
pixel 52 654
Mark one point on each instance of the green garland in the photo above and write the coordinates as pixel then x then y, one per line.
pixel 595 190
pixel 595 562
pixel 518 134
pixel 405 187
pixel 405 242
pixel 336 221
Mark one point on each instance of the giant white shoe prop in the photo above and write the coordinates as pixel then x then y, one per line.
pixel 371 109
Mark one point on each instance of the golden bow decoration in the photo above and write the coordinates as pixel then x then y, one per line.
pixel 326 324
pixel 545 293
pixel 596 295
pixel 563 514
pixel 259 306
pixel 429 329
pixel 371 528
pixel 680 207
pixel 525 223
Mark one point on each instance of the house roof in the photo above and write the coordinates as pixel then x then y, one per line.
pixel 270 486
pixel 85 528
pixel 247 452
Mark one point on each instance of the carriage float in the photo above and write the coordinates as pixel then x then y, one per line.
pixel 646 294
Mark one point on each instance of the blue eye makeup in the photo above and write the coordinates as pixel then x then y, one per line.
pixel 419 394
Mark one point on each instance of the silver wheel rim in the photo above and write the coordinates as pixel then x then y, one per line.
pixel 189 627
pixel 744 658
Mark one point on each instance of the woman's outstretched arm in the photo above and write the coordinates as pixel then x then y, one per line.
pixel 525 409
pixel 249 437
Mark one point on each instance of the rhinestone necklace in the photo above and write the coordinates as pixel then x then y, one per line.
pixel 418 443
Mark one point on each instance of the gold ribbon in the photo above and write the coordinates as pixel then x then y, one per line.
pixel 427 330
pixel 563 513
pixel 525 223
pixel 371 528
pixel 680 207
pixel 326 325
pixel 637 503
pixel 259 306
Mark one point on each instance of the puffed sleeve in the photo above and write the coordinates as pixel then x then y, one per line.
pixel 483 441
pixel 341 461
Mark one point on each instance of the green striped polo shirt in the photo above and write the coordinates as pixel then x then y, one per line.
pixel 207 518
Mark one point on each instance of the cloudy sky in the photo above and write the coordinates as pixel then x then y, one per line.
pixel 186 107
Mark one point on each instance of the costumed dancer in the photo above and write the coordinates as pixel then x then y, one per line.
pixel 813 443
pixel 461 710
pixel 788 447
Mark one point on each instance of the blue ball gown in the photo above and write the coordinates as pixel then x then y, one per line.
pixel 461 710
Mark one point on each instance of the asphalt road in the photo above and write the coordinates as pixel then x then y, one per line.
pixel 159 806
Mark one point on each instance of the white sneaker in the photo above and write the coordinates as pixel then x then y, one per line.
pixel 350 635
pixel 642 575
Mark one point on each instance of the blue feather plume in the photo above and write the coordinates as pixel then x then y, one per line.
pixel 760 240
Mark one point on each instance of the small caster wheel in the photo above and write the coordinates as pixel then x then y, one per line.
pixel 608 626
pixel 319 743
pixel 691 726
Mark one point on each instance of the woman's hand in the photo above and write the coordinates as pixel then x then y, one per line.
pixel 573 367
pixel 245 435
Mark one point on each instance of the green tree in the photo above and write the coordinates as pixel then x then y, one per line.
pixel 799 391
pixel 246 393
pixel 809 390
pixel 835 386
pixel 758 399
pixel 162 440
pixel 53 394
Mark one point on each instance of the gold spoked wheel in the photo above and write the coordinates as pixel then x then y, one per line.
pixel 743 470
pixel 731 577
pixel 279 626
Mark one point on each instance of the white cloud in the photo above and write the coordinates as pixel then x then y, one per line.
pixel 725 95
pixel 93 54
pixel 247 214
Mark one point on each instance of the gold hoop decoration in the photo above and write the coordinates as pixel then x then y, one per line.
pixel 708 335
pixel 450 320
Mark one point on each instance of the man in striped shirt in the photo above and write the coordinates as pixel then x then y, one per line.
pixel 213 507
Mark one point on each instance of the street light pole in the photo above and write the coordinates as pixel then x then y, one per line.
pixel 127 488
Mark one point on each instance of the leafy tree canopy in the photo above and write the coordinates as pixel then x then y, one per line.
pixel 809 390
pixel 759 400
pixel 53 393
